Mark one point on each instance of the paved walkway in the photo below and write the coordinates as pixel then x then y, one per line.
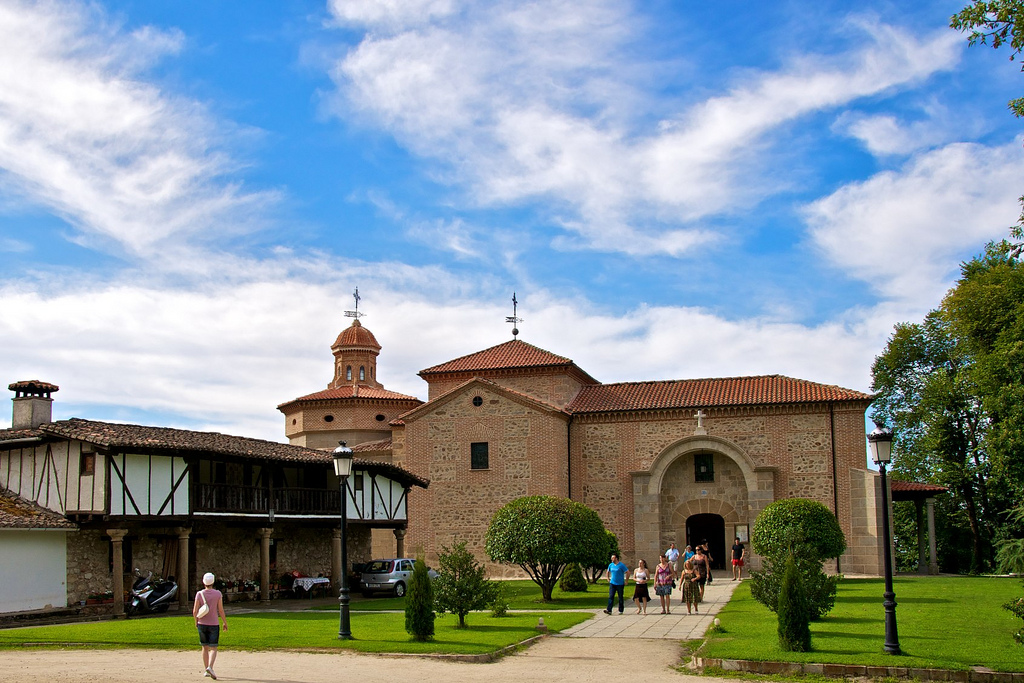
pixel 675 626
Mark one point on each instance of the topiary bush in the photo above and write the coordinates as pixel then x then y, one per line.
pixel 794 624
pixel 810 533
pixel 797 520
pixel 542 534
pixel 419 603
pixel 572 580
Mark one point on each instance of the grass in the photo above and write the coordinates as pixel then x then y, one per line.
pixel 944 622
pixel 310 630
pixel 522 594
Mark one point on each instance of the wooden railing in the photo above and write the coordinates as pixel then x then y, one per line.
pixel 256 499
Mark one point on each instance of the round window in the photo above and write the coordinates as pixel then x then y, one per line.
pixel 380 418
pixel 477 401
pixel 294 421
pixel 328 418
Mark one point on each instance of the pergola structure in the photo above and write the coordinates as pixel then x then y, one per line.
pixel 923 496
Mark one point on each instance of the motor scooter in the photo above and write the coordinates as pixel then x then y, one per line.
pixel 149 596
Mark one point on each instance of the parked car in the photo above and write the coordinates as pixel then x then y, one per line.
pixel 389 575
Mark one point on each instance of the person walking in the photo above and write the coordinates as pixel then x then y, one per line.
pixel 641 596
pixel 691 590
pixel 673 557
pixel 663 575
pixel 208 612
pixel 738 553
pixel 708 559
pixel 616 583
pixel 700 565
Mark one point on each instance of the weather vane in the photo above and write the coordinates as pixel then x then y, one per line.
pixel 355 314
pixel 513 318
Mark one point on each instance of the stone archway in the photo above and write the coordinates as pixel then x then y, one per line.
pixel 666 494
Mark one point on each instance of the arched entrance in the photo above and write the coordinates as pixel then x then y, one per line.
pixel 710 528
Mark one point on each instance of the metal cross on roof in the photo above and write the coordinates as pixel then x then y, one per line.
pixel 355 314
pixel 514 319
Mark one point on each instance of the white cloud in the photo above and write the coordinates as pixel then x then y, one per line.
pixel 905 231
pixel 82 134
pixel 885 135
pixel 542 102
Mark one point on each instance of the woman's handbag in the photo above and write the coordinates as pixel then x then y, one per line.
pixel 205 609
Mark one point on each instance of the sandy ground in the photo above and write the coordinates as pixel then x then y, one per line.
pixel 551 659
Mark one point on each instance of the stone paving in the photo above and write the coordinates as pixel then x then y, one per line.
pixel 675 626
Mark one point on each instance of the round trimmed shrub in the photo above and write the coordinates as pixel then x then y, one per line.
pixel 792 521
pixel 572 580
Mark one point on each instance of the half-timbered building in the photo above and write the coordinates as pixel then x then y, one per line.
pixel 180 502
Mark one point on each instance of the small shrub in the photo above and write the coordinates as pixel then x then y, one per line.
pixel 572 580
pixel 419 604
pixel 1017 607
pixel 819 587
pixel 499 606
pixel 794 624
pixel 461 584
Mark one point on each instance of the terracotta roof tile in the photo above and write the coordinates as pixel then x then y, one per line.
pixel 356 335
pixel 18 434
pixel 915 487
pixel 18 513
pixel 511 354
pixel 353 391
pixel 373 446
pixel 704 393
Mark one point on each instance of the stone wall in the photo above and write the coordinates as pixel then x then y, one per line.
pixel 88 564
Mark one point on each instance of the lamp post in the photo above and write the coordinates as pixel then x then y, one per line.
pixel 880 442
pixel 343 468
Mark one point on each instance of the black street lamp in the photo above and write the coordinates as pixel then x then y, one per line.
pixel 343 468
pixel 880 442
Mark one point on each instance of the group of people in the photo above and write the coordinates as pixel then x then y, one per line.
pixel 691 568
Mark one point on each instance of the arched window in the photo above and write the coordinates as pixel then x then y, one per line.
pixel 348 373
pixel 362 373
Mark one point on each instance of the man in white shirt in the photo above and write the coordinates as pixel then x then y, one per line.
pixel 672 555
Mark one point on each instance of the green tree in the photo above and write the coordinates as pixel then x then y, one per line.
pixel 594 569
pixel 794 622
pixel 807 532
pixel 542 534
pixel 461 585
pixel 419 603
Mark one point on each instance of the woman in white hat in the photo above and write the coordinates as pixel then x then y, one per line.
pixel 208 611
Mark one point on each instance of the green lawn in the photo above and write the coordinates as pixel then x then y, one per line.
pixel 943 622
pixel 310 630
pixel 521 594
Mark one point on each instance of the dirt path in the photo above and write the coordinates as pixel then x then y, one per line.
pixel 552 659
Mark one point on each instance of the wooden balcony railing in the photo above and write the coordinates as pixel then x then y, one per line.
pixel 256 499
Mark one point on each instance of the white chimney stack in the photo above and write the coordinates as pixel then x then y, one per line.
pixel 32 403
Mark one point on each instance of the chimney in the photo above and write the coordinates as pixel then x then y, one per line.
pixel 32 403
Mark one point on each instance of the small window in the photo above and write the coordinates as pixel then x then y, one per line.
pixel 477 401
pixel 87 464
pixel 379 418
pixel 348 372
pixel 328 418
pixel 703 467
pixel 357 483
pixel 362 373
pixel 478 456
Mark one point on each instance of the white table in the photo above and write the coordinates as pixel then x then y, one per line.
pixel 307 583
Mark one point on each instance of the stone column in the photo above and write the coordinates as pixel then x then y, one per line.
pixel 336 560
pixel 933 561
pixel 183 577
pixel 646 517
pixel 265 533
pixel 116 540
pixel 922 556
pixel 399 542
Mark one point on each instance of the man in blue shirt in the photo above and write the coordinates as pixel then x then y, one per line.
pixel 616 583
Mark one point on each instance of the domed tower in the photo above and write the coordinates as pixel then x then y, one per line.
pixel 354 407
pixel 355 357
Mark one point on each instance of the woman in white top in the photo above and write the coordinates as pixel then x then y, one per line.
pixel 641 596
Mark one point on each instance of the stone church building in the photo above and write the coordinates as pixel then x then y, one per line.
pixel 660 461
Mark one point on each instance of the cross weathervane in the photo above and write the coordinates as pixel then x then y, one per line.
pixel 514 319
pixel 355 314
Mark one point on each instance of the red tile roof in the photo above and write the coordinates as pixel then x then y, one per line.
pixel 373 446
pixel 912 487
pixel 356 335
pixel 358 391
pixel 511 354
pixel 705 393
pixel 18 513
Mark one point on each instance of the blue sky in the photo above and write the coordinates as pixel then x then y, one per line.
pixel 191 191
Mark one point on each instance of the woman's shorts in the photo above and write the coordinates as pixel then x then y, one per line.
pixel 663 589
pixel 209 635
